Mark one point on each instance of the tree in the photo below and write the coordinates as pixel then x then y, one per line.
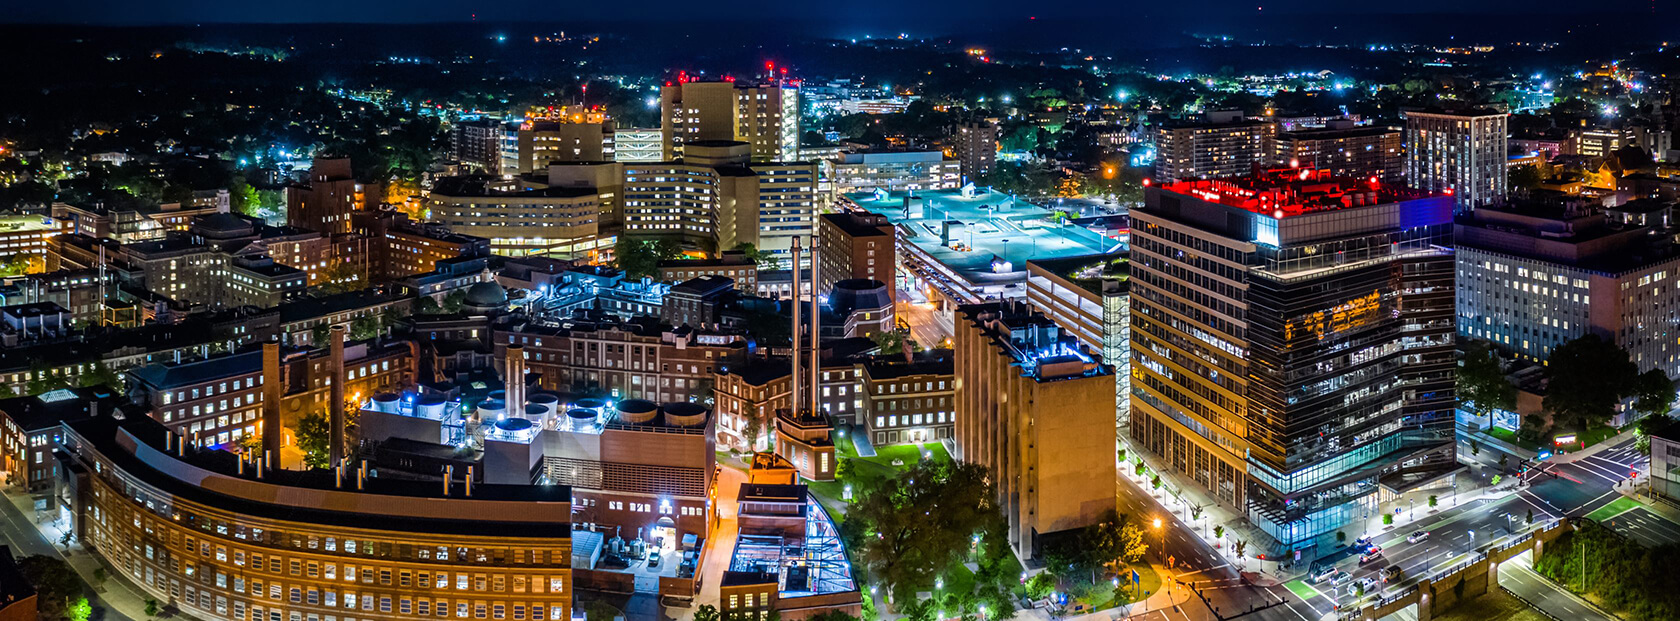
pixel 1504 460
pixel 1388 519
pixel 454 301
pixel 81 610
pixel 1219 532
pixel 314 438
pixel 54 581
pixel 1647 426
pixel 764 261
pixel 390 317
pixel 151 607
pixel 919 524
pixel 1529 519
pixel 1586 378
pixel 1112 542
pixel 427 306
pixel 894 342
pixel 1155 482
pixel 101 375
pixel 1241 547
pixel 319 333
pixel 636 257
pixel 706 612
pixel 1482 383
pixel 1341 537
pixel 1475 447
pixel 1525 177
pixel 342 277
pixel 1139 469
pixel 1653 393
pixel 1433 501
pixel 364 327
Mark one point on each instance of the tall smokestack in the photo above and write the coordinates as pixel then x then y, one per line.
pixel 271 391
pixel 795 357
pixel 335 407
pixel 816 324
pixel 515 380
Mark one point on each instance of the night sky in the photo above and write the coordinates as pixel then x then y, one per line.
pixel 913 12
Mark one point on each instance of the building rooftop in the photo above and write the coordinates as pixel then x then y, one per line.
pixel 51 408
pixel 858 224
pixel 1285 192
pixel 136 446
pixel 1041 348
pixel 982 235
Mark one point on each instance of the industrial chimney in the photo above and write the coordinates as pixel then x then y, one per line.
pixel 271 391
pixel 335 407
pixel 794 358
pixel 514 380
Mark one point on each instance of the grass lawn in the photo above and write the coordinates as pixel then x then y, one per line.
pixel 1511 437
pixel 1496 605
pixel 1148 582
pixel 866 470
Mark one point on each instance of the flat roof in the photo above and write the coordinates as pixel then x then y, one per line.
pixel 985 225
pixel 1285 192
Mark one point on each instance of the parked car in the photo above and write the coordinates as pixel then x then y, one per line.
pixel 1374 554
pixel 653 559
pixel 1417 536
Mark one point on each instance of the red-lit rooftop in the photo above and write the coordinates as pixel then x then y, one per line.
pixel 1294 191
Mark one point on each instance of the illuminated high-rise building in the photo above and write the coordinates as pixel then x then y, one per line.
pixel 717 195
pixel 764 115
pixel 549 141
pixel 478 144
pixel 1292 344
pixel 325 203
pixel 1345 150
pixel 1222 145
pixel 1459 152
pixel 976 145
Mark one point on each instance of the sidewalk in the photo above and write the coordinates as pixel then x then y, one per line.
pixel 1178 499
pixel 1165 598
pixel 121 600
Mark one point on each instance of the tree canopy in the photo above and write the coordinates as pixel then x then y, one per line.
pixel 918 525
pixel 1481 381
pixel 1588 377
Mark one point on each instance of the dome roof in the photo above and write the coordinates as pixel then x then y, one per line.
pixel 486 294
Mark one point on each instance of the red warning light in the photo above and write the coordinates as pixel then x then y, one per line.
pixel 1146 182
pixel 1449 191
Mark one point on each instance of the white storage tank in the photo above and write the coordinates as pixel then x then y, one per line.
pixel 491 409
pixel 387 402
pixel 430 406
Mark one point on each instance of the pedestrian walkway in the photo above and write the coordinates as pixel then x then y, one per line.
pixel 1183 500
pixel 121 600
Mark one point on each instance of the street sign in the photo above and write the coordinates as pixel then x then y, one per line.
pixel 1135 578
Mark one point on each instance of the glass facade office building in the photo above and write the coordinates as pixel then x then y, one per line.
pixel 1292 339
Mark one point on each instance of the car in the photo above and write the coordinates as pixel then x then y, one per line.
pixel 1391 573
pixel 1363 543
pixel 1417 536
pixel 1374 554
pixel 653 559
pixel 1341 577
pixel 1327 572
